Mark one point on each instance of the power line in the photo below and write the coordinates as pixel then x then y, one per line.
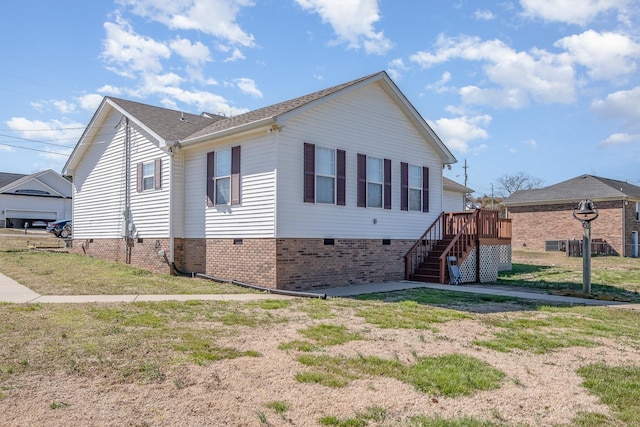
pixel 34 149
pixel 39 142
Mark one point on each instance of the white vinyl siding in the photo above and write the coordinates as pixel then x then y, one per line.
pixel 366 121
pixel 99 185
pixel 254 216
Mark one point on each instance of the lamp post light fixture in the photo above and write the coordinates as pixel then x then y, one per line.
pixel 586 212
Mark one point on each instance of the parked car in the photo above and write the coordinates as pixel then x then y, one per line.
pixel 60 228
pixel 37 224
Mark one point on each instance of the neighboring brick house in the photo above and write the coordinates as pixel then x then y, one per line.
pixel 546 214
pixel 327 189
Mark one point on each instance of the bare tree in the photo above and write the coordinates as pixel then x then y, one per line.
pixel 509 184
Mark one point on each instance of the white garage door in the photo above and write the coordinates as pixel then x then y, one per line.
pixel 43 215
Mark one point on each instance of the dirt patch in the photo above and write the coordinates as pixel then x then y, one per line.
pixel 538 389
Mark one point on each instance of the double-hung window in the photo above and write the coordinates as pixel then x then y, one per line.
pixel 223 177
pixel 149 175
pixel 324 175
pixel 414 188
pixel 374 182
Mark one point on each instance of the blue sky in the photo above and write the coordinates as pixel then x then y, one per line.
pixel 536 86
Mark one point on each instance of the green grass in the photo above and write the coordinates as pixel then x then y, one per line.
pixel 59 273
pixel 424 421
pixel 407 315
pixel 449 375
pixel 611 277
pixel 320 336
pixel 555 328
pixel 616 386
pixel 376 414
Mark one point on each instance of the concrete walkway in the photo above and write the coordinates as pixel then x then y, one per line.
pixel 13 292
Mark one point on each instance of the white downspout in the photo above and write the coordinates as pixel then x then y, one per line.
pixel 171 237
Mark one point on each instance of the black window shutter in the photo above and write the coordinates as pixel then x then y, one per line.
pixel 425 189
pixel 309 172
pixel 139 177
pixel 404 186
pixel 235 175
pixel 210 174
pixel 362 181
pixel 341 179
pixel 157 174
pixel 387 184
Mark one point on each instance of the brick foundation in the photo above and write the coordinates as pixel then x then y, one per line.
pixel 143 253
pixel 310 263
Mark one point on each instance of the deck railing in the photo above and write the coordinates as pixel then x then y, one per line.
pixel 464 228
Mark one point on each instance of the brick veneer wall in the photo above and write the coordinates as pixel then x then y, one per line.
pixel 144 253
pixel 533 225
pixel 309 263
pixel 631 225
pixel 246 260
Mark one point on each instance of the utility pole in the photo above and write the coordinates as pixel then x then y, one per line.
pixel 465 172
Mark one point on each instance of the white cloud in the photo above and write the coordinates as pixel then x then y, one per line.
pixel 352 21
pixel 194 53
pixel 236 55
pixel 572 12
pixel 457 132
pixel 531 143
pixel 110 90
pixel 608 56
pixel 6 148
pixel 248 86
pixel 441 85
pixel 128 52
pixel 483 15
pixel 213 17
pixel 621 105
pixel 90 101
pixel 395 67
pixel 620 139
pixel 520 76
pixel 60 106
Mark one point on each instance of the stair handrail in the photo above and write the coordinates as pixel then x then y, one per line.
pixel 412 258
pixel 458 242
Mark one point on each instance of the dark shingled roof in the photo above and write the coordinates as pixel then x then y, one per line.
pixel 575 189
pixel 273 110
pixel 8 178
pixel 168 124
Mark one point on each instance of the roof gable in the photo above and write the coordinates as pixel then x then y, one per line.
pixel 576 189
pixel 38 184
pixel 454 187
pixel 8 178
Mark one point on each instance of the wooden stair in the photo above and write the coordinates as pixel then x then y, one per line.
pixel 429 270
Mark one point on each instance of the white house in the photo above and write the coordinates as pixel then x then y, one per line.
pixel 327 189
pixel 33 199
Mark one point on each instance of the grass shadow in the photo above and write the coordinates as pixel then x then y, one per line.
pixel 460 301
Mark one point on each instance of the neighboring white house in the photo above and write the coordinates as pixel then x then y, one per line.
pixel 454 196
pixel 323 190
pixel 37 198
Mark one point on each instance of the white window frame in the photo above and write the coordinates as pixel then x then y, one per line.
pixel 414 187
pixel 332 174
pixel 373 181
pixel 148 176
pixel 221 177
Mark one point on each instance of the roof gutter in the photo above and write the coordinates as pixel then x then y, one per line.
pixel 266 122
pixel 560 201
